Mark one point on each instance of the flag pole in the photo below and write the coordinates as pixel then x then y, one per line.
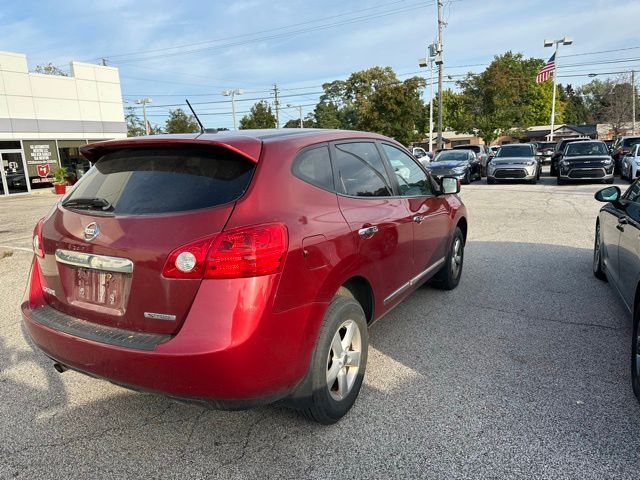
pixel 553 100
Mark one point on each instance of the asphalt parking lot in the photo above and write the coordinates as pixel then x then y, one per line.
pixel 521 372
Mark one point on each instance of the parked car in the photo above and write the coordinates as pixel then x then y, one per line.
pixel 462 164
pixel 419 152
pixel 481 151
pixel 545 151
pixel 616 257
pixel 585 161
pixel 515 161
pixel 559 150
pixel 493 150
pixel 629 167
pixel 239 268
pixel 621 147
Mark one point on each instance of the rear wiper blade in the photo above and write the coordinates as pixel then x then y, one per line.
pixel 89 202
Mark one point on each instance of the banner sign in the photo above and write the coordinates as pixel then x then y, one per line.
pixel 42 159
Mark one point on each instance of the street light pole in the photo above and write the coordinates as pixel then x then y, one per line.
pixel 440 25
pixel 633 102
pixel 232 93
pixel 299 107
pixel 549 43
pixel 144 102
pixel 430 104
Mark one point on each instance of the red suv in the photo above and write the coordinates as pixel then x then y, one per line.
pixel 239 268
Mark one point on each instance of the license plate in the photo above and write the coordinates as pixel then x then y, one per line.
pixel 99 288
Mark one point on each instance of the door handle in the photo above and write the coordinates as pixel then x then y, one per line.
pixel 367 231
pixel 418 218
pixel 621 223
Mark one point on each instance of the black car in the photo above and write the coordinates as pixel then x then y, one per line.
pixel 559 150
pixel 462 164
pixel 585 161
pixel 616 257
pixel 545 151
pixel 621 147
pixel 481 151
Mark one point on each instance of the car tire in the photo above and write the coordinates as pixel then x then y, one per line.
pixel 598 268
pixel 559 180
pixel 449 275
pixel 635 353
pixel 491 181
pixel 608 180
pixel 533 182
pixel 329 403
pixel 467 178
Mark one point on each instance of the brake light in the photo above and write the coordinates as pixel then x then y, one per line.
pixel 242 252
pixel 38 248
pixel 248 252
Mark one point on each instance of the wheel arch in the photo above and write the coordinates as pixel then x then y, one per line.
pixel 463 225
pixel 361 290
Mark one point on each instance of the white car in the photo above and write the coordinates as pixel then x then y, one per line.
pixel 630 162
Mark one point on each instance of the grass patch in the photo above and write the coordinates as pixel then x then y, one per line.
pixel 5 253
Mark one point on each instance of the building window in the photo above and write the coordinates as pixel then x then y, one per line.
pixel 70 158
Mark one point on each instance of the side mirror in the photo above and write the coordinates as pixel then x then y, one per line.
pixel 449 185
pixel 609 194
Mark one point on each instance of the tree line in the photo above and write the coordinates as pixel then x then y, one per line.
pixel 502 98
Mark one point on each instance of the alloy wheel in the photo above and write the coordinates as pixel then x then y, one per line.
pixel 456 258
pixel 343 360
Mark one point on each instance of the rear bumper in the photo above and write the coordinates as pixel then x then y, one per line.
pixel 231 352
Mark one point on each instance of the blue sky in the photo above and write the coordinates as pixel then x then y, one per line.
pixel 169 50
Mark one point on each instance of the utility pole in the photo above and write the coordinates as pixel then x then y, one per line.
pixel 440 26
pixel 144 102
pixel 276 104
pixel 633 102
pixel 423 62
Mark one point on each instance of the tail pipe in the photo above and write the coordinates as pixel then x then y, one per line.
pixel 60 368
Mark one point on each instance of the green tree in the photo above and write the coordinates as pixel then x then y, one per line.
pixel 135 125
pixel 50 69
pixel 575 111
pixel 260 116
pixel 181 122
pixel 374 100
pixel 505 96
pixel 609 101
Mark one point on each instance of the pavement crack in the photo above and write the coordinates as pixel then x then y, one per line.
pixel 548 319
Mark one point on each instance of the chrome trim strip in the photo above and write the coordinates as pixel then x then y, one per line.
pixel 95 262
pixel 413 281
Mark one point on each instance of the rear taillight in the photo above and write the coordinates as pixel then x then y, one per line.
pixel 242 252
pixel 38 248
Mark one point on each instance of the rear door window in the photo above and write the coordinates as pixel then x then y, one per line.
pixel 360 171
pixel 164 180
pixel 314 166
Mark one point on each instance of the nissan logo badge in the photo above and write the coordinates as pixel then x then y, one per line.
pixel 91 231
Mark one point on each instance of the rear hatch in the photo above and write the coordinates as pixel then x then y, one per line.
pixel 107 242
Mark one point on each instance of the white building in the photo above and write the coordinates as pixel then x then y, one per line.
pixel 44 119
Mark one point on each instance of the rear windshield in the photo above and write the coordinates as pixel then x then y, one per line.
pixel 164 180
pixel 474 148
pixel 515 151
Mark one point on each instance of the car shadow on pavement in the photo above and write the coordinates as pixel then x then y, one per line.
pixel 524 366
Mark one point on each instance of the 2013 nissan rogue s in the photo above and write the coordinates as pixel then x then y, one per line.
pixel 239 268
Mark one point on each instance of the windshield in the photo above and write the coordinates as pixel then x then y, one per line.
pixel 452 156
pixel 628 142
pixel 585 148
pixel 546 144
pixel 515 151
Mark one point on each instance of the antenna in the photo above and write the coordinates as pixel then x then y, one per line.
pixel 195 115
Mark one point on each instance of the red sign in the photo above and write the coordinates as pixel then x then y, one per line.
pixel 43 170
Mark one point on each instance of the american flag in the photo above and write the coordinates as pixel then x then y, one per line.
pixel 545 71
